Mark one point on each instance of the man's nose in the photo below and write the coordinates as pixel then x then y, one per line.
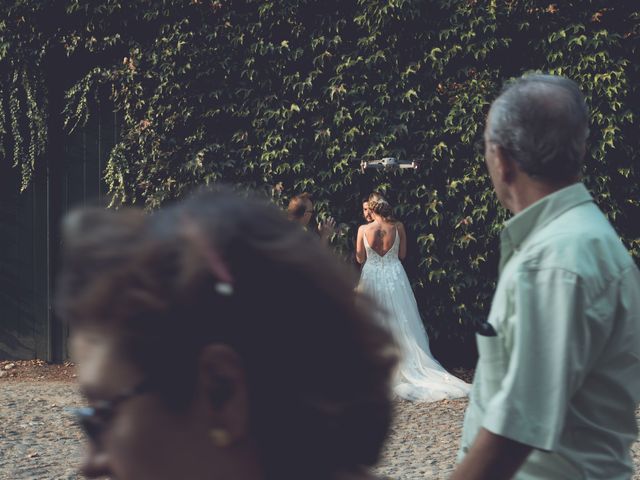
pixel 96 463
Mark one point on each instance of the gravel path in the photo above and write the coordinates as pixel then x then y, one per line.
pixel 38 440
pixel 424 440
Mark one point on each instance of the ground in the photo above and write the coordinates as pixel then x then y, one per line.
pixel 36 370
pixel 39 439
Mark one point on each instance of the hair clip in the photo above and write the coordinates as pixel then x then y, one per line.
pixel 223 288
pixel 217 267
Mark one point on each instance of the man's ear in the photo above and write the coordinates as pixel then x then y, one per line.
pixel 222 382
pixel 505 166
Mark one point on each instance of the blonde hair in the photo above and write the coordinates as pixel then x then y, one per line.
pixel 380 206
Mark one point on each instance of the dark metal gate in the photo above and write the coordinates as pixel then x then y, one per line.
pixel 30 235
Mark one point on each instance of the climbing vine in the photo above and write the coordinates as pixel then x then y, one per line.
pixel 287 96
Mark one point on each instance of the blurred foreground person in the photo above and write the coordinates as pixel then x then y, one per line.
pixel 558 378
pixel 215 341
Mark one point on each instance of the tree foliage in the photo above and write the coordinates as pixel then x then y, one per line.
pixel 291 93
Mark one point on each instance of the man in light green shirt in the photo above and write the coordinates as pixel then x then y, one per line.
pixel 558 378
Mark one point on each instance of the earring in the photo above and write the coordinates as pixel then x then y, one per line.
pixel 220 437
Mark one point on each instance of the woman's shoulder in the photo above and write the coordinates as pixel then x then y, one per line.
pixel 367 227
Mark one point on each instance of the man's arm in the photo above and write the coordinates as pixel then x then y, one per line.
pixel 492 457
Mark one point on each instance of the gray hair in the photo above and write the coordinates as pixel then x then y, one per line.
pixel 542 123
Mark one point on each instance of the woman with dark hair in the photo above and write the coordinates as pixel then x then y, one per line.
pixel 216 340
pixel 381 245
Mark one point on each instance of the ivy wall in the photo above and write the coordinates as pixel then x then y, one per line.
pixel 288 96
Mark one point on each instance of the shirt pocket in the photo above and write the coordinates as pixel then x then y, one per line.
pixel 489 374
pixel 492 366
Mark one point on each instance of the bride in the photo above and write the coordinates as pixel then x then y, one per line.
pixel 381 245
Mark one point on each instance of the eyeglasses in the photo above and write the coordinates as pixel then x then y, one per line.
pixel 94 420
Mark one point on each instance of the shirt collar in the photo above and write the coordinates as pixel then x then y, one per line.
pixel 539 214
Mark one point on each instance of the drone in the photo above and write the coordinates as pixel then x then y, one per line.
pixel 388 163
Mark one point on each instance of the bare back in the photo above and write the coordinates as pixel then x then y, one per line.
pixel 381 236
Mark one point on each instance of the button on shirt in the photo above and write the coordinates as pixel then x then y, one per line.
pixel 560 368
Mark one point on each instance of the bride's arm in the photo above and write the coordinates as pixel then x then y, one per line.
pixel 361 253
pixel 402 251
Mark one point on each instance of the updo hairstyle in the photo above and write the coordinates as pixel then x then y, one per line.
pixel 380 206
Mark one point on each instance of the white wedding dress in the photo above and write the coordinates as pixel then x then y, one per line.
pixel 419 376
